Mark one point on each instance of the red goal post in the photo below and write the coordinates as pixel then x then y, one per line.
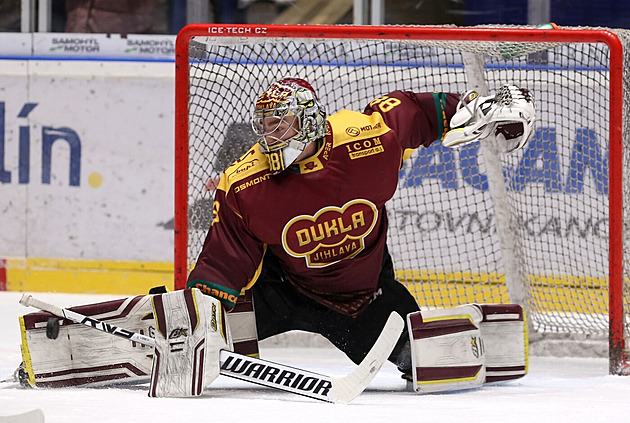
pixel 210 85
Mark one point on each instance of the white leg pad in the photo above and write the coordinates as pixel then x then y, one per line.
pixel 465 346
pixel 504 331
pixel 242 323
pixel 79 355
pixel 447 351
pixel 190 332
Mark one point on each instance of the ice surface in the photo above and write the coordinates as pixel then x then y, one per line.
pixel 555 390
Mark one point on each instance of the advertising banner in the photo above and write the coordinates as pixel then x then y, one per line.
pixel 86 165
pixel 87 157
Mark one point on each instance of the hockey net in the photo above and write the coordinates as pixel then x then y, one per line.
pixel 546 227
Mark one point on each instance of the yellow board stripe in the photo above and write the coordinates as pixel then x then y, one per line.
pixel 564 293
pixel 86 276
pixel 548 293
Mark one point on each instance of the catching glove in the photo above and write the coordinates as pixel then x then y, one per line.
pixel 509 115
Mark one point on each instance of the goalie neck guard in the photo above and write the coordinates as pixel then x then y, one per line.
pixel 286 118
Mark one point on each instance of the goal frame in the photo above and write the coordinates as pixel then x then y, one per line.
pixel 615 218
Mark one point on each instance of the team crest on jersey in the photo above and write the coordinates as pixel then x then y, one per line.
pixel 330 235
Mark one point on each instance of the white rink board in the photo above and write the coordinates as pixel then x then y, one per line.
pixel 110 125
pixel 122 113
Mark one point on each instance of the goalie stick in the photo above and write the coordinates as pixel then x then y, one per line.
pixel 262 372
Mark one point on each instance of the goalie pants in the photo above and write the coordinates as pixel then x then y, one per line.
pixel 280 308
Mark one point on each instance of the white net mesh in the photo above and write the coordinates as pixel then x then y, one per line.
pixel 443 235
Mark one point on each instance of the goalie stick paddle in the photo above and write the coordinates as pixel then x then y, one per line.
pixel 262 372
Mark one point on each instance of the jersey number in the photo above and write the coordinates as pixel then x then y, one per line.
pixel 275 161
pixel 215 212
pixel 385 103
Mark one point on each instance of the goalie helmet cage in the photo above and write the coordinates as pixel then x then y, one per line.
pixel 543 227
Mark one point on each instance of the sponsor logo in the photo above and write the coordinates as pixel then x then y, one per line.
pixel 178 333
pixel 364 148
pixel 252 182
pixel 476 345
pixel 236 30
pixel 75 45
pixel 530 226
pixel 243 167
pixel 371 127
pixel 105 327
pixel 49 136
pixel 327 149
pixel 271 375
pixel 353 131
pixel 214 292
pixel 242 164
pixel 330 235
pixel 585 167
pixel 151 46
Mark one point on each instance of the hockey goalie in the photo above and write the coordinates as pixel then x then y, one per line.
pixel 299 222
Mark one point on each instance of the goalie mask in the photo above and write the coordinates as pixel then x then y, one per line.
pixel 287 117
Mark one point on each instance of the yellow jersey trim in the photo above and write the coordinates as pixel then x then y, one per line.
pixel 348 126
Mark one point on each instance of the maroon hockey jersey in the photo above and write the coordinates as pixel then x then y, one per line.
pixel 324 217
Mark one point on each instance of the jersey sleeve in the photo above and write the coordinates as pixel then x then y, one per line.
pixel 416 118
pixel 231 256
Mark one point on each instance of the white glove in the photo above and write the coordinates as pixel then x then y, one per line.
pixel 509 115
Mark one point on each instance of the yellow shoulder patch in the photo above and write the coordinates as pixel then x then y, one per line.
pixel 349 126
pixel 250 163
